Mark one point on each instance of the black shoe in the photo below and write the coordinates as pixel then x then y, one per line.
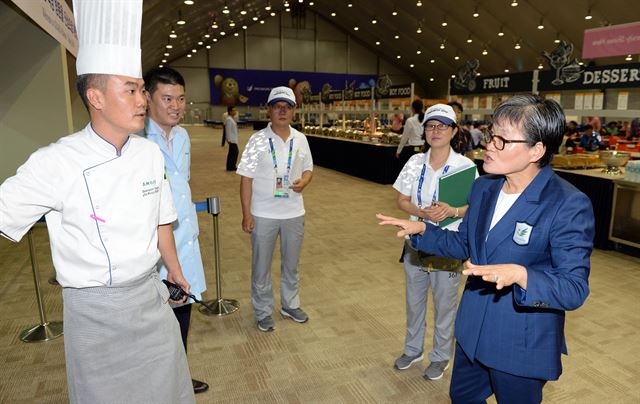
pixel 199 387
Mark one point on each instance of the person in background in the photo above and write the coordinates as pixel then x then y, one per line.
pixel 462 141
pixel 595 123
pixel 528 235
pixel 476 135
pixel 397 121
pixel 590 141
pixel 165 91
pixel 417 195
pixel 225 114
pixel 276 166
pixel 109 214
pixel 412 135
pixel 231 132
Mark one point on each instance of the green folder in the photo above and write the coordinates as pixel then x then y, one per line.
pixel 454 188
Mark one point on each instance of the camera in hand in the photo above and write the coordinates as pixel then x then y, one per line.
pixel 177 293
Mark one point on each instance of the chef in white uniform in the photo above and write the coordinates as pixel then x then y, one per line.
pixel 109 213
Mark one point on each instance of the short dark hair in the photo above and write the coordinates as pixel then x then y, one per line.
pixel 162 75
pixel 456 104
pixel 541 120
pixel 87 81
pixel 230 108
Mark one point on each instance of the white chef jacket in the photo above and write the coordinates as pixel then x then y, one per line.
pixel 409 177
pixel 102 209
pixel 257 163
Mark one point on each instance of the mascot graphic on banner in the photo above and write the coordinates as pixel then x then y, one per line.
pixel 229 91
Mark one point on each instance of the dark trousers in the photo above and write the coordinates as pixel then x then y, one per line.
pixel 224 134
pixel 232 157
pixel 183 315
pixel 473 383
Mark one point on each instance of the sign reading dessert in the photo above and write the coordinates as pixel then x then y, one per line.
pixel 592 77
pixel 467 81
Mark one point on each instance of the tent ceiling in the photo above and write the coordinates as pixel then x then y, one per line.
pixel 562 19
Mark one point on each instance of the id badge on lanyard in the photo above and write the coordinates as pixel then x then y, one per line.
pixel 421 182
pixel 281 182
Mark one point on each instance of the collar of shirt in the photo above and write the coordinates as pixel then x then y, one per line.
pixel 450 159
pixel 102 146
pixel 272 134
pixel 153 128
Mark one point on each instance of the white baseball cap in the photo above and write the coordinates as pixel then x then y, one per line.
pixel 108 37
pixel 440 112
pixel 282 94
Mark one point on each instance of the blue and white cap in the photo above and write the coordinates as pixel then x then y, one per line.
pixel 440 112
pixel 282 94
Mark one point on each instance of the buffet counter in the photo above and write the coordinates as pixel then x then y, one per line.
pixel 371 161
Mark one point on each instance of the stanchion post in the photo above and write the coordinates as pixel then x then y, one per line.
pixel 221 307
pixel 45 331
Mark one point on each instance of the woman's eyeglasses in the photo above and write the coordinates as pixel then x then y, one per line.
pixel 498 141
pixel 439 127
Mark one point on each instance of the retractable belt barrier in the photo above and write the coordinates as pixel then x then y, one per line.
pixel 220 306
pixel 46 330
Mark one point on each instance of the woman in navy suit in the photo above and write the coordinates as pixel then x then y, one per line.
pixel 528 237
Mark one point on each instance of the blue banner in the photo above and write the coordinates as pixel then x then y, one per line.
pixel 251 87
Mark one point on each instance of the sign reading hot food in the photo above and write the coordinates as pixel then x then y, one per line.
pixel 575 77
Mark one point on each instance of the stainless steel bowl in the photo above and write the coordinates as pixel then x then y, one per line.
pixel 614 160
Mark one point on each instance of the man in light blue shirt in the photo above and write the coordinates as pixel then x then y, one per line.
pixel 165 90
pixel 231 133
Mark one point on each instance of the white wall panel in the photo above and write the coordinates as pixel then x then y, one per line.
pixel 332 57
pixel 263 53
pixel 298 55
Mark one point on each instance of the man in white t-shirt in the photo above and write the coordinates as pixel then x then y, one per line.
pixel 276 165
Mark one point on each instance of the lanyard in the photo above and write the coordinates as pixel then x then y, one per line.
pixel 273 155
pixel 421 181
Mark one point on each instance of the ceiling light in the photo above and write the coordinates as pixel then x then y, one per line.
pixel 378 43
pixel 208 46
pixel 588 16
pixel 173 34
pixel 394 12
pixel 349 5
pixel 164 60
pixel 311 3
pixel 398 57
pixel 453 76
pixel 235 34
pixel 412 65
pixel 287 9
pixel 207 35
pixel 160 66
pixel 514 3
pixel 215 39
pixel 189 2
pixel 557 40
pixel 214 25
pixel 168 46
pixel 300 1
pixel 225 9
pixel 431 79
pixel 469 39
pixel 456 57
pixel 506 70
pixel 418 52
pixel 628 58
pixel 501 32
pixel 232 24
pixel 419 29
pixel 200 43
pixel 286 3
pixel 477 73
pixel 580 63
pixel 541 25
pixel 261 21
pixel 419 3
pixel 374 21
pixel 223 33
pixel 517 46
pixel 444 22
pixel 333 14
pixel 244 27
pixel 484 52
pixel 180 20
pixel 194 51
pixel 254 18
pixel 476 14
pixel 540 67
pixel 273 14
pixel 442 45
pixel 166 53
pixel 356 28
pixel 432 61
pixel 268 6
pixel 242 10
pixel 396 36
pixel 189 55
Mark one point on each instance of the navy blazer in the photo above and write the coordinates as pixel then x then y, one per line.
pixel 549 230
